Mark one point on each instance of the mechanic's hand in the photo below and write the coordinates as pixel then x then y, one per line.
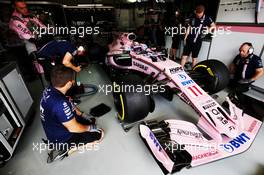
pixel 32 40
pixel 245 81
pixel 89 118
pixel 78 69
pixel 86 116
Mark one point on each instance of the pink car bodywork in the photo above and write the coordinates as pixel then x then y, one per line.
pixel 201 149
pixel 230 133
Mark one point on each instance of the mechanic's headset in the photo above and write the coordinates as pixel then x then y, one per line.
pixel 251 48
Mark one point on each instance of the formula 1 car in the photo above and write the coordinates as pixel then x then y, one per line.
pixel 176 144
pixel 129 61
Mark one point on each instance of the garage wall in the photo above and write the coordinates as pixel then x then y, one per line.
pixel 125 18
pixel 235 16
pixel 225 47
pixel 139 17
pixel 122 17
pixel 238 11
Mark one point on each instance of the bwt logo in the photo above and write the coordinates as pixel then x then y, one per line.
pixel 187 82
pixel 236 143
pixel 182 77
pixel 155 141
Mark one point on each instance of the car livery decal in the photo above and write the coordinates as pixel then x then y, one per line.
pixel 176 70
pixel 235 143
pixel 139 65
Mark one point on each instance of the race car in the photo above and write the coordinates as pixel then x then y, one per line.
pixel 132 63
pixel 176 144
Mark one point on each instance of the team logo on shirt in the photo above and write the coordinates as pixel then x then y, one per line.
pixel 260 63
pixel 65 104
pixel 67 110
pixel 42 116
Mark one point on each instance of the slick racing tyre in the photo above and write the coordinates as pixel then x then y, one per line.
pixel 131 105
pixel 216 75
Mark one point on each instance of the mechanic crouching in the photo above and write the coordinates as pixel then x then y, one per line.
pixel 65 125
pixel 58 52
pixel 245 69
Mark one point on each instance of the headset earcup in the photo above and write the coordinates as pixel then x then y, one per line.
pixel 250 50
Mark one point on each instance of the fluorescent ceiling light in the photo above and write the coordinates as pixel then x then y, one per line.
pixel 132 1
pixel 90 5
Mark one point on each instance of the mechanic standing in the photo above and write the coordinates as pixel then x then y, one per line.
pixel 245 68
pixel 58 52
pixel 197 26
pixel 176 38
pixel 61 120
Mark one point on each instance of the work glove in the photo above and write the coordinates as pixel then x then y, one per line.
pixel 245 81
pixel 89 118
pixel 32 40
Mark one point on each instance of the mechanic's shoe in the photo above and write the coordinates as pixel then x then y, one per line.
pixel 102 136
pixel 225 105
pixel 188 66
pixel 234 99
pixel 91 144
pixel 54 155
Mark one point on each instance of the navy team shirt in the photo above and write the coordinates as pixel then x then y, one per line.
pixel 57 49
pixel 56 109
pixel 250 65
pixel 197 26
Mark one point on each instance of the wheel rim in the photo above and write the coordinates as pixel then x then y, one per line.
pixel 208 69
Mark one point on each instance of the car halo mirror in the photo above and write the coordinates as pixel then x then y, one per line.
pixel 131 36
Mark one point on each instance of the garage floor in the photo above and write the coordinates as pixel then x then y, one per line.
pixel 120 152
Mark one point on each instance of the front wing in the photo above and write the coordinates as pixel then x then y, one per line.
pixel 176 144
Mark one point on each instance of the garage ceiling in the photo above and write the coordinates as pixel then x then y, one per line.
pixel 74 2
